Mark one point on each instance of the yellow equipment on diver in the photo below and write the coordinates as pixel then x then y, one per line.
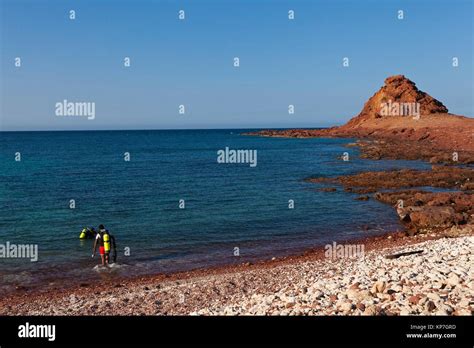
pixel 83 234
pixel 106 242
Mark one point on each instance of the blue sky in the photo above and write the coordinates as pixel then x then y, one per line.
pixel 190 62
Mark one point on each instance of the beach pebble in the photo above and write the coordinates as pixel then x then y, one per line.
pixel 347 307
pixel 453 280
pixel 432 283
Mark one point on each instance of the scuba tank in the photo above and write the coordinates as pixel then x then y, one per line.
pixel 106 239
pixel 83 234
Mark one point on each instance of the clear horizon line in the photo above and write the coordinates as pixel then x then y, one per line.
pixel 158 129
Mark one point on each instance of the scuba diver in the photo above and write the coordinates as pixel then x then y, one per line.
pixel 106 242
pixel 88 233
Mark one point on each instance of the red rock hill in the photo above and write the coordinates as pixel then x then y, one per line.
pixel 398 92
pixel 433 133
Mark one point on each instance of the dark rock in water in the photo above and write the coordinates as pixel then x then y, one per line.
pixel 328 189
pixel 421 210
pixel 362 198
pixel 439 176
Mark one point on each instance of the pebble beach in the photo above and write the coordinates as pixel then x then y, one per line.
pixel 400 275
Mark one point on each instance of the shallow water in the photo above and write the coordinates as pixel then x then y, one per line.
pixel 226 205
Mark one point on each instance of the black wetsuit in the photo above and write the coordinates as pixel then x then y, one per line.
pixel 90 234
pixel 113 247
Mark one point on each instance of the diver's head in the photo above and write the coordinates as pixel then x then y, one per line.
pixel 101 227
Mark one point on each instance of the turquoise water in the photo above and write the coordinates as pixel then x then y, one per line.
pixel 226 205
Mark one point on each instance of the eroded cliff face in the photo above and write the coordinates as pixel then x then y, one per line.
pixel 398 97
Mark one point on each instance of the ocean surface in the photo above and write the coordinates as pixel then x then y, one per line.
pixel 226 205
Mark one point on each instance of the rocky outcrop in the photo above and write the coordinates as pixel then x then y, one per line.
pixel 424 212
pixel 397 96
pixel 420 211
pixel 409 148
pixel 401 122
pixel 438 176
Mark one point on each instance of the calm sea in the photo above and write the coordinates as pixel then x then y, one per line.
pixel 227 206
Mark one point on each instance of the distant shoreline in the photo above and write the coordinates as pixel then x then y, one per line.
pixel 157 129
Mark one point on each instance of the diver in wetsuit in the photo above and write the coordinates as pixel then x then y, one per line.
pixel 106 242
pixel 87 233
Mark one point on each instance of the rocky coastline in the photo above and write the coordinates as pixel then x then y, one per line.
pixel 432 135
pixel 427 269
